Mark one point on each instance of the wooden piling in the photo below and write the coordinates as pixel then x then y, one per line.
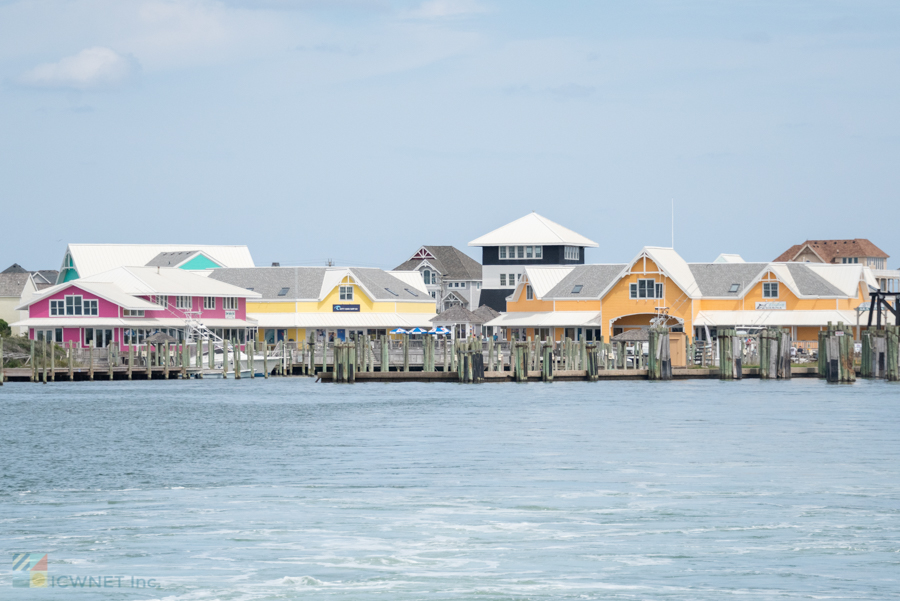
pixel 659 362
pixel 70 359
pixel 1 360
pixel 405 343
pixel 224 359
pixel 91 361
pixel 237 359
pixel 729 355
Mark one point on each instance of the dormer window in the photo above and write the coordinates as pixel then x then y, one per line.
pixel 529 293
pixel 770 289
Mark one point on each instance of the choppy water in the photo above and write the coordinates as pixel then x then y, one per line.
pixel 286 489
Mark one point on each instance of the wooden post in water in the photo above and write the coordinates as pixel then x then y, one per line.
pixel 1 360
pixel 351 362
pixel 237 358
pixel 385 354
pixel 44 360
pixel 91 361
pixel 224 358
pixel 547 361
pixel 251 352
pixel 70 359
pixel 405 343
pixel 53 362
pixel 33 363
pixel 659 355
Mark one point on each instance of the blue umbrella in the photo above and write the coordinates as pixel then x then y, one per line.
pixel 418 331
pixel 439 330
pixel 399 331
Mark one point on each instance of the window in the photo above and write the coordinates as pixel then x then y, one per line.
pixel 770 289
pixel 502 252
pixel 503 279
pixel 182 302
pixel 477 285
pixel 572 253
pixel 577 289
pixel 133 313
pixel 429 276
pixel 433 294
pixel 529 252
pixel 346 293
pixel 462 284
pixel 389 290
pixel 850 260
pixel 529 293
pixel 73 305
pixel 57 307
pixel 521 253
pixel 161 300
pixel 283 291
pixel 230 303
pixel 209 302
pixel 734 288
pixel 411 292
pixel 538 252
pixel 519 278
pixel 90 307
pixel 646 289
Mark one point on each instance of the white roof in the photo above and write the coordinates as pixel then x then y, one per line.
pixel 343 320
pixel 546 319
pixel 544 279
pixel 672 265
pixel 123 285
pixel 845 278
pixel 533 229
pixel 774 318
pixel 726 258
pixel 91 259
pixel 413 279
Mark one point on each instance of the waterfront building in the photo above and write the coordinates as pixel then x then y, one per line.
pixel 334 303
pixel 859 251
pixel 83 260
pixel 461 322
pixel 451 277
pixel 696 298
pixel 128 304
pixel 531 240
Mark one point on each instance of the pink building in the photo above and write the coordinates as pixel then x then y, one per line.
pixel 128 304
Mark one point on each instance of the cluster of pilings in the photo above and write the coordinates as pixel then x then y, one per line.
pixel 730 353
pixel 470 361
pixel 881 354
pixel 836 353
pixel 660 354
pixel 774 354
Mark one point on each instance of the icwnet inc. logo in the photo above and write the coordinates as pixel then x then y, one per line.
pixel 30 570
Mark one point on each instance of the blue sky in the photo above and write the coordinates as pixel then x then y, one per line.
pixel 358 130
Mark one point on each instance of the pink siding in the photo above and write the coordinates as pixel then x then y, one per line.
pixel 104 307
pixel 197 304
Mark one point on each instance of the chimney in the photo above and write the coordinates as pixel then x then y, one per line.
pixel 276 264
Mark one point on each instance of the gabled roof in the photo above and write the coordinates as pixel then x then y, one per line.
pixel 91 259
pixel 315 283
pixel 543 279
pixel 533 229
pixel 486 313
pixel 673 266
pixel 12 283
pixel 449 261
pixel 727 258
pixel 593 279
pixel 15 268
pixel 413 279
pixel 829 250
pixel 174 258
pixel 457 314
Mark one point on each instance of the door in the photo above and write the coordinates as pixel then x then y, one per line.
pixel 341 334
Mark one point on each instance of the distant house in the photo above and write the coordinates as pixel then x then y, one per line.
pixel 451 277
pixel 532 240
pixel 857 250
pixel 83 260
pixel 18 284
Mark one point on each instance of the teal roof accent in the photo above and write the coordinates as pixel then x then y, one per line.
pixel 201 261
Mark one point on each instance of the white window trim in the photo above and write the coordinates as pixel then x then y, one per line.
pixel 230 303
pixel 209 303
pixel 343 292
pixel 181 304
pixel 572 253
pixel 529 292
pixel 769 285
pixel 80 304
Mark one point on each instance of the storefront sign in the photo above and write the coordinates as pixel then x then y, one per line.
pixel 229 314
pixel 771 306
pixel 345 308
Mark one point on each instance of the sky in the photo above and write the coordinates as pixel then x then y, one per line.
pixel 359 130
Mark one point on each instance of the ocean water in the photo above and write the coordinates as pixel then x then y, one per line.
pixel 287 489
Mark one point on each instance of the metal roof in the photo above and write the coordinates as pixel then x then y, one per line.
pixel 773 318
pixel 171 259
pixel 91 259
pixel 543 279
pixel 533 229
pixel 342 320
pixel 546 319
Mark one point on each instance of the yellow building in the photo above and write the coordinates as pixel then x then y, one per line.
pixel 334 303
pixel 697 298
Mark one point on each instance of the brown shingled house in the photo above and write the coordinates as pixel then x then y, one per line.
pixel 857 250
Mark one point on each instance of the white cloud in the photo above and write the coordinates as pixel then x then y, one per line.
pixel 440 9
pixel 96 67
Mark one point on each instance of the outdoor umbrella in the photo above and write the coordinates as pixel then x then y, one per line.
pixel 399 331
pixel 418 331
pixel 439 330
